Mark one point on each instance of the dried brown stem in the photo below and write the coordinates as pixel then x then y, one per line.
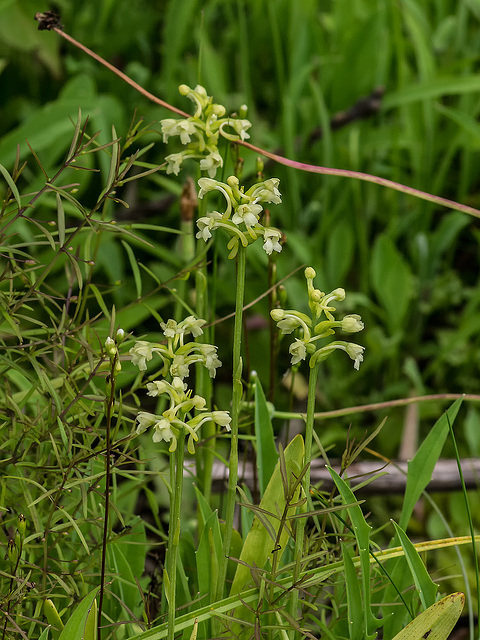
pixel 120 74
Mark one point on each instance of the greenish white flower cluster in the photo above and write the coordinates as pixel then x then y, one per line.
pixel 201 131
pixel 177 356
pixel 313 328
pixel 167 426
pixel 241 218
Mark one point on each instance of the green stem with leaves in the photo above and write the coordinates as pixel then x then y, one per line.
pixel 300 526
pixel 176 489
pixel 109 408
pixel 236 398
pixel 205 455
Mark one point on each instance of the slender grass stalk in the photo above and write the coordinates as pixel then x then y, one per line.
pixel 236 397
pixel 176 490
pixel 300 527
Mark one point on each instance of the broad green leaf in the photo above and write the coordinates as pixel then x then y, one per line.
pixel 45 635
pixel 354 598
pixel 109 109
pixel 436 88
pixel 259 543
pixel 18 32
pixel 420 468
pixel 316 577
pixel 362 533
pixel 126 558
pixel 398 614
pixel 392 280
pixel 124 584
pixel 45 128
pixel 340 246
pixel 207 555
pixel 79 87
pixel 186 559
pixel 75 627
pixel 53 618
pixel 444 236
pixel 134 548
pixel 203 507
pixel 436 622
pixel 267 455
pixel 426 588
pixel 91 623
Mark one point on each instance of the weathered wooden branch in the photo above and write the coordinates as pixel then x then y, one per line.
pixel 445 476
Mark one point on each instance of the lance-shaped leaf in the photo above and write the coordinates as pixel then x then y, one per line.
pixel 362 535
pixel 260 541
pixel 437 621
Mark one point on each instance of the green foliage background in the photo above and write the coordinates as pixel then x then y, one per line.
pixel 410 268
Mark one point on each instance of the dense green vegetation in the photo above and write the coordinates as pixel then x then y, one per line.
pixel 96 237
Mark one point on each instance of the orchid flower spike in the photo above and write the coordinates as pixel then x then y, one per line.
pixel 314 328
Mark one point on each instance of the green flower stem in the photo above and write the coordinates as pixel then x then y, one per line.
pixel 205 455
pixel 300 527
pixel 176 481
pixel 236 397
pixel 186 251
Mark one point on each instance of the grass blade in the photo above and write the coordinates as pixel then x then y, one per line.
pixel 267 455
pixel 354 598
pixel 426 588
pixel 420 468
pixel 135 270
pixel 258 544
pixel 60 220
pixel 75 627
pixel 362 534
pixel 13 187
pixel 436 622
